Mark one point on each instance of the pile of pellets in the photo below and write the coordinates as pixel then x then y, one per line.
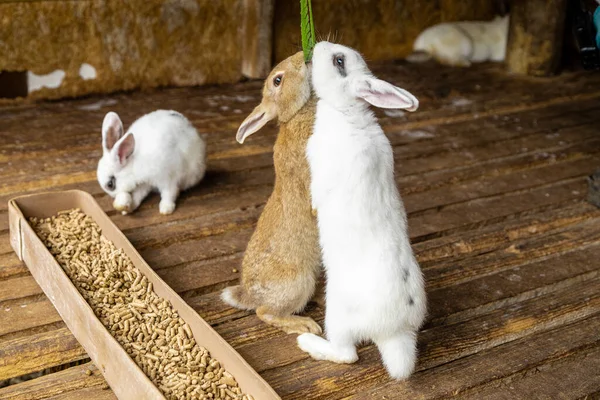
pixel 147 326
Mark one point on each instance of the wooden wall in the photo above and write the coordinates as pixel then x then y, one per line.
pixel 149 43
pixel 380 29
pixel 131 44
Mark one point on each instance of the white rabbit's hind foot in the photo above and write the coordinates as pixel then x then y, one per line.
pixel 123 202
pixel 321 349
pixel 166 207
pixel 168 197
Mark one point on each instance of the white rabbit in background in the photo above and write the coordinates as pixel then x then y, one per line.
pixel 462 43
pixel 161 151
pixel 375 288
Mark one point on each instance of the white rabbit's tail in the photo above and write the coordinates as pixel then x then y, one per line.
pixel 399 354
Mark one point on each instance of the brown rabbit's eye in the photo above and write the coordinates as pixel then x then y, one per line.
pixel 277 80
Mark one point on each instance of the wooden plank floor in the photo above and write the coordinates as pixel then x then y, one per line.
pixel 492 170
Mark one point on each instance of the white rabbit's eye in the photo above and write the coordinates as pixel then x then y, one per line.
pixel 277 80
pixel 110 185
pixel 339 61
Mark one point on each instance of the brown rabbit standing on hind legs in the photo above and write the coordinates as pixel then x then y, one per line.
pixel 283 260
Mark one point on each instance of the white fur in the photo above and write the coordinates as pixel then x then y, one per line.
pixel 168 156
pixel 461 43
pixel 375 288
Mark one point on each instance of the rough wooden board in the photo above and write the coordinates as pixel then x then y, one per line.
pixel 10 265
pixel 26 314
pixel 223 108
pixel 37 352
pixel 506 246
pixel 88 393
pixel 452 380
pixel 238 327
pixel 468 215
pixel 232 332
pixel 91 177
pixel 423 115
pixel 253 329
pixel 500 233
pixel 305 378
pixel 534 159
pixel 466 212
pixel 573 376
pixel 69 383
pixel 469 372
pixel 462 137
pixel 511 286
pixel 17 288
pixel 502 260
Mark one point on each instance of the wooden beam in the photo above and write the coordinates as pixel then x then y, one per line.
pixel 257 38
pixel 535 36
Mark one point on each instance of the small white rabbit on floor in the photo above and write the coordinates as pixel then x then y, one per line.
pixel 375 288
pixel 160 151
pixel 463 43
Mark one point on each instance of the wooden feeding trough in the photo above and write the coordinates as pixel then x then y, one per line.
pixel 123 375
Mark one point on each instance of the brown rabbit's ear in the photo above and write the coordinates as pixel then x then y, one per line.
pixel 256 120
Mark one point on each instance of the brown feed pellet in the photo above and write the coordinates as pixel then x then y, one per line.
pixel 147 326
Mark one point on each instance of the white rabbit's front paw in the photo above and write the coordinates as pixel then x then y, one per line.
pixel 123 202
pixel 166 207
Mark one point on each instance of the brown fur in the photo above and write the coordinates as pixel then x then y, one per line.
pixel 282 262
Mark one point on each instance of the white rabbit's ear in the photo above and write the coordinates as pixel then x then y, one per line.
pixel 261 114
pixel 125 148
pixel 112 130
pixel 383 94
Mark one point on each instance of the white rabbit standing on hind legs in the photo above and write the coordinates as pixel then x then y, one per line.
pixel 161 151
pixel 375 288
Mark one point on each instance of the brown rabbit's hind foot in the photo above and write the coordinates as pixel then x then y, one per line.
pixel 289 323
pixel 236 297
